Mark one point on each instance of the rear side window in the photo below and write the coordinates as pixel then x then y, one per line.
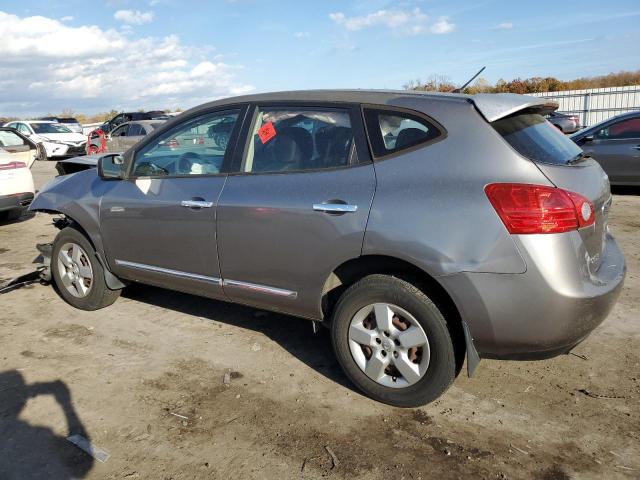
pixel 391 131
pixel 300 139
pixel 535 138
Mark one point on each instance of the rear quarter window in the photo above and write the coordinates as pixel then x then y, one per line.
pixel 535 138
pixel 392 131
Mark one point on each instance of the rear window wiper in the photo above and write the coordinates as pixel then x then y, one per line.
pixel 579 157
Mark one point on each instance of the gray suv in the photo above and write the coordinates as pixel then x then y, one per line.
pixel 421 228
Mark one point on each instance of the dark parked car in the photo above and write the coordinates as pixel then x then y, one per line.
pixel 615 144
pixel 110 125
pixel 474 229
pixel 566 123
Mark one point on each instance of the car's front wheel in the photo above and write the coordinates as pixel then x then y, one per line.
pixel 393 342
pixel 77 273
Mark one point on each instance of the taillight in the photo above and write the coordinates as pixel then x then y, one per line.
pixel 527 208
pixel 12 165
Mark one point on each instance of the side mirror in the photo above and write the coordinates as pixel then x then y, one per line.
pixel 111 167
pixel 587 139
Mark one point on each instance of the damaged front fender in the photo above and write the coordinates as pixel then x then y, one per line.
pixel 77 197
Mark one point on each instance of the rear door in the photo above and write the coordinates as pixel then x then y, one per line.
pixel 617 148
pixel 159 224
pixel 296 206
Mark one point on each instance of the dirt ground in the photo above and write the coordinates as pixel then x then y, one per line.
pixel 144 381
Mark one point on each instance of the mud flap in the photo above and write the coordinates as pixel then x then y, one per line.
pixel 473 359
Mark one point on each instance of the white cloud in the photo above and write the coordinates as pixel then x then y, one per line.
pixel 301 34
pixel 443 25
pixel 67 18
pixel 412 22
pixel 133 17
pixel 47 66
pixel 504 26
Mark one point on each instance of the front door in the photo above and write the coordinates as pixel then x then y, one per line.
pixel 296 208
pixel 159 224
pixel 617 148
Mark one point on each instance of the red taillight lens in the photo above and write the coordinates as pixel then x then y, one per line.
pixel 527 208
pixel 12 165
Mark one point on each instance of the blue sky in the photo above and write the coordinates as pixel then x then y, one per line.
pixel 168 53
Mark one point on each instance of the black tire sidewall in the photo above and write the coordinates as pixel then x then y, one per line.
pixel 96 294
pixel 385 289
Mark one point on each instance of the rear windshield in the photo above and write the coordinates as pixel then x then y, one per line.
pixel 67 120
pixel 535 138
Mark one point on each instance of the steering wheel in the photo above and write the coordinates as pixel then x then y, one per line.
pixel 148 169
pixel 186 161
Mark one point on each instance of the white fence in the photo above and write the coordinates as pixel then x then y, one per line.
pixel 596 104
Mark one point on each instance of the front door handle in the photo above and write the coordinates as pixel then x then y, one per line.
pixel 196 204
pixel 335 207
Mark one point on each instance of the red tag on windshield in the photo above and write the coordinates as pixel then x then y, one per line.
pixel 266 132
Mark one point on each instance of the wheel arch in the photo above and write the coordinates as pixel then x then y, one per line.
pixel 113 282
pixel 355 269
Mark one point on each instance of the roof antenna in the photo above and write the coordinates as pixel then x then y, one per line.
pixel 460 89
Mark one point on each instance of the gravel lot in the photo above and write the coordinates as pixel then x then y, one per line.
pixel 145 380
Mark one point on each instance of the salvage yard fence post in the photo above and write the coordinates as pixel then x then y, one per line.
pixel 596 104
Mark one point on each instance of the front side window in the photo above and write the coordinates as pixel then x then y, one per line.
pixel 23 128
pixel 299 139
pixel 121 131
pixel 629 128
pixel 10 139
pixel 187 149
pixel 392 131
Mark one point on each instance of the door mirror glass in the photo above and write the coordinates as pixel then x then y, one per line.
pixel 111 167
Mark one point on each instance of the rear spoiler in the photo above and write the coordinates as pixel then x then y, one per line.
pixel 494 106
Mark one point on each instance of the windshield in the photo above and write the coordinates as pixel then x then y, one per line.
pixel 49 128
pixel 535 138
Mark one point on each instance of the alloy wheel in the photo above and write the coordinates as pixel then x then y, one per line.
pixel 389 345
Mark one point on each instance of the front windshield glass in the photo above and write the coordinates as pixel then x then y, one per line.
pixel 49 128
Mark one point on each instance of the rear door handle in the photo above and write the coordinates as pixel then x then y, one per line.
pixel 335 207
pixel 196 204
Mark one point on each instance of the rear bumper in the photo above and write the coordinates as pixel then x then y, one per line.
pixel 15 201
pixel 545 311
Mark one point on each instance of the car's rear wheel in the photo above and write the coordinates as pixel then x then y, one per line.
pixel 393 342
pixel 77 273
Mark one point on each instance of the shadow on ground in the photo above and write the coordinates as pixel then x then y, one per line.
pixel 625 190
pixel 292 333
pixel 36 452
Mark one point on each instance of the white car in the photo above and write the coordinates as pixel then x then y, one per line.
pixel 57 139
pixel 17 154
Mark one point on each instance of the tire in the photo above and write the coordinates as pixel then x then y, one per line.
pixel 89 295
pixel 400 296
